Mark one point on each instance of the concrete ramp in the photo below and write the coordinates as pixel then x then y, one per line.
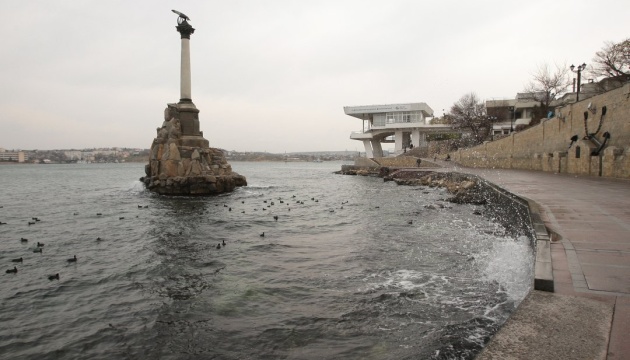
pixel 545 326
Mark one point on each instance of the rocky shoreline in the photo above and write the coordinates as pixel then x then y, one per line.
pixel 495 203
pixel 465 189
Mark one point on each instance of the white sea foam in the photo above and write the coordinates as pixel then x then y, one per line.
pixel 136 186
pixel 406 280
pixel 509 262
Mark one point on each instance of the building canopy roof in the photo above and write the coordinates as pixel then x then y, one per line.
pixel 364 111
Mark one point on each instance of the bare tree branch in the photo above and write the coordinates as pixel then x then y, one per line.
pixel 469 112
pixel 547 85
pixel 612 60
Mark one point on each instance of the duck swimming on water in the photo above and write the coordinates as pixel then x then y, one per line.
pixel 12 271
pixel 18 260
pixel 53 277
pixel 73 259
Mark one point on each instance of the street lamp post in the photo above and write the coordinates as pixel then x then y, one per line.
pixel 513 111
pixel 580 68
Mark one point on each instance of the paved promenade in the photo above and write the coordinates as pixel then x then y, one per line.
pixel 588 316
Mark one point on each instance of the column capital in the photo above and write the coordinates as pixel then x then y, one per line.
pixel 185 29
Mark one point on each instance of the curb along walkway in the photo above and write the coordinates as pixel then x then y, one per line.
pixel 590 261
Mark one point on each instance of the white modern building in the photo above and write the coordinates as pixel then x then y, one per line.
pixel 405 125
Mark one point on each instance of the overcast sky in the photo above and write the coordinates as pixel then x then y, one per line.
pixel 271 75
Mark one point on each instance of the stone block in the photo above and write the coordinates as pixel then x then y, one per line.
pixel 160 151
pixel 543 273
pixel 595 166
pixel 195 168
pixel 195 142
pixel 186 153
pixel 155 168
pixel 186 164
pixel 171 168
pixel 173 152
pixel 154 151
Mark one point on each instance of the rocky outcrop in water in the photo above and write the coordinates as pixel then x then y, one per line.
pixel 186 164
pixel 465 190
pixel 359 170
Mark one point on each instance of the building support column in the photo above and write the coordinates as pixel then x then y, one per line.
pixel 423 140
pixel 398 138
pixel 368 149
pixel 415 138
pixel 377 150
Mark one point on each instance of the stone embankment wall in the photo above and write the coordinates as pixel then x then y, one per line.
pixel 545 146
pixel 397 162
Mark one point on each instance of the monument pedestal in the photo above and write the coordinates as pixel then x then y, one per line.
pixel 184 164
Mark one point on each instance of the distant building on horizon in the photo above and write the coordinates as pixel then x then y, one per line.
pixel 15 156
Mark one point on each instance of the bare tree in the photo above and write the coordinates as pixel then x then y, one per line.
pixel 469 112
pixel 548 84
pixel 612 60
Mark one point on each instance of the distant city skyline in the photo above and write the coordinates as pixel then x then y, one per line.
pixel 271 76
pixel 122 148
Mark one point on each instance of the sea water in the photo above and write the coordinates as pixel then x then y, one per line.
pixel 353 267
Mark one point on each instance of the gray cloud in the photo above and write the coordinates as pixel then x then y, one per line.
pixel 270 75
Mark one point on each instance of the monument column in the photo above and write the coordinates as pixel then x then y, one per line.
pixel 189 115
pixel 185 29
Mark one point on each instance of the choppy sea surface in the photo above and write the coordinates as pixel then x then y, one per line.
pixel 353 268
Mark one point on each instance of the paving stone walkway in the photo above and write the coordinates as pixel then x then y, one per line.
pixel 590 217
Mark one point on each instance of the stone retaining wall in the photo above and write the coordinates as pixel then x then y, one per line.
pixel 545 147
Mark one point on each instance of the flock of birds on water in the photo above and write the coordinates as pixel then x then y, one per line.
pixel 38 249
pixel 73 260
pixel 268 204
pixel 39 246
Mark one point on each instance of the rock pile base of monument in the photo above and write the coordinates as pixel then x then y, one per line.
pixel 185 165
